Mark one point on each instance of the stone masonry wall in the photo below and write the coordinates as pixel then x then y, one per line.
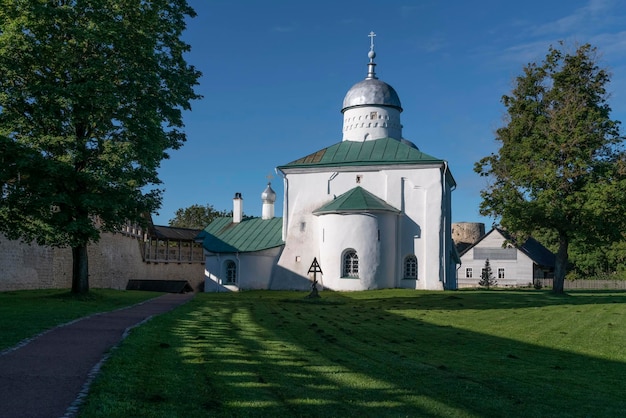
pixel 113 261
pixel 466 234
pixel 24 266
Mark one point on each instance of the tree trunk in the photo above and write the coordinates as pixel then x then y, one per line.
pixel 560 265
pixel 80 270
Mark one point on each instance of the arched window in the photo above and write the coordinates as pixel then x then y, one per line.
pixel 410 267
pixel 231 272
pixel 350 264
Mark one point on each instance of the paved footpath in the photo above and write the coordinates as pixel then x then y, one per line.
pixel 49 376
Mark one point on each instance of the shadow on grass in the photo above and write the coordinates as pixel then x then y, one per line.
pixel 504 299
pixel 373 354
pixel 344 356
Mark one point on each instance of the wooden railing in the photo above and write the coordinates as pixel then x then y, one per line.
pixel 155 250
pixel 166 251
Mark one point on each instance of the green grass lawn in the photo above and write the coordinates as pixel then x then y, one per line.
pixel 373 354
pixel 392 353
pixel 26 313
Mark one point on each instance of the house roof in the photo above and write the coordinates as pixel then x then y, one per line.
pixel 251 234
pixel 356 200
pixel 382 151
pixel 172 233
pixel 538 253
pixel 531 247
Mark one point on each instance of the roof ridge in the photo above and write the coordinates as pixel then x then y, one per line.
pixel 377 151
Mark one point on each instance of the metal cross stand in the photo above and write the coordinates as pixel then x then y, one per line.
pixel 315 268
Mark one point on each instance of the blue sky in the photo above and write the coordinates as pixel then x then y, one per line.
pixel 275 74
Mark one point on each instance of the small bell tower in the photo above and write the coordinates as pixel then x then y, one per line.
pixel 269 198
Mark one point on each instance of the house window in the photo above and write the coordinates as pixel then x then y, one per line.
pixel 350 264
pixel 231 272
pixel 410 267
pixel 468 273
pixel 373 115
pixel 501 273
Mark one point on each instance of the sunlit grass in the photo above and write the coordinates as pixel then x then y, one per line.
pixel 373 354
pixel 26 313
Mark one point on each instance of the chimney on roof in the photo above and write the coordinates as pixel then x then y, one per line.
pixel 237 208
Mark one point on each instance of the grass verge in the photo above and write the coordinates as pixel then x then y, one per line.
pixel 26 313
pixel 383 353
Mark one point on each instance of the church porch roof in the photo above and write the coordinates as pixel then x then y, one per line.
pixel 356 200
pixel 251 234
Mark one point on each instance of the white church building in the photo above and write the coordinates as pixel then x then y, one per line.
pixel 373 210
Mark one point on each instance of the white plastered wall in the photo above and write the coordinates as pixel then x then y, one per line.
pixel 254 270
pixel 517 272
pixel 416 190
pixel 372 236
pixel 367 123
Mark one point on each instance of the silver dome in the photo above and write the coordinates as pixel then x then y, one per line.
pixel 371 91
pixel 268 195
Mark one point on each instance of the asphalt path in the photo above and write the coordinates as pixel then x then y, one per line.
pixel 49 375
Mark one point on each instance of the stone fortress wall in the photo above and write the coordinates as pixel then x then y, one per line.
pixel 117 258
pixel 113 261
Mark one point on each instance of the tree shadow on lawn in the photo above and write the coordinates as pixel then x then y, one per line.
pixel 342 357
pixel 500 299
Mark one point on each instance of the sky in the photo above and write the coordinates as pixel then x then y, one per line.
pixel 275 74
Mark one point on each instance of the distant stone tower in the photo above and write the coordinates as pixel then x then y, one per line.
pixel 465 234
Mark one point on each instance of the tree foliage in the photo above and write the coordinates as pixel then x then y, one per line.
pixel 196 216
pixel 590 259
pixel 560 166
pixel 487 278
pixel 91 99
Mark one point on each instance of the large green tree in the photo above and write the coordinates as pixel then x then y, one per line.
pixel 590 259
pixel 196 216
pixel 560 165
pixel 91 100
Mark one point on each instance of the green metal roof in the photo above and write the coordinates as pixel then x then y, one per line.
pixel 251 234
pixel 356 200
pixel 379 151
